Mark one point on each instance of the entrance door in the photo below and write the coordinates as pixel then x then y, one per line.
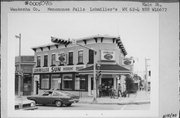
pixel 106 83
pixel 37 87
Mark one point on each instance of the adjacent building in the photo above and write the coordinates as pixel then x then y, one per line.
pixel 69 67
pixel 27 64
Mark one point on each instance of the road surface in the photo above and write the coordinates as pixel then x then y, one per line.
pixel 80 106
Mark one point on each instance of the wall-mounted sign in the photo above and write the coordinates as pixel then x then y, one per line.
pixel 41 70
pixel 56 69
pixel 62 58
pixel 107 55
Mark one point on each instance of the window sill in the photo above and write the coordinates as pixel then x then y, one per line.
pixel 80 63
pixel 44 88
pixel 70 64
pixel 66 89
pixel 90 63
pixel 53 65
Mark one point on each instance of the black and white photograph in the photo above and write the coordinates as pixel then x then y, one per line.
pixel 87 64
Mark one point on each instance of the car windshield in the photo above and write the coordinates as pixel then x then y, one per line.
pixel 47 93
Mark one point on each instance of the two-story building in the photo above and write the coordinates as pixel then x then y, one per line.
pixel 69 67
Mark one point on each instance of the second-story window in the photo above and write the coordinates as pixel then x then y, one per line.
pixel 80 57
pixel 45 60
pixel 70 58
pixel 91 57
pixel 53 59
pixel 38 61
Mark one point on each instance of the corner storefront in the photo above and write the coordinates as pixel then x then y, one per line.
pixel 63 78
pixel 111 76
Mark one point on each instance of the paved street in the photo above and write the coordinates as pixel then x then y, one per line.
pixel 80 106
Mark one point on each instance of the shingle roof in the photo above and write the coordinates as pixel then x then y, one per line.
pixel 106 67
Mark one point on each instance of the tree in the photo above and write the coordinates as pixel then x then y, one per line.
pixel 130 86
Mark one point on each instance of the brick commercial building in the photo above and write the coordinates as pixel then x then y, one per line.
pixel 68 67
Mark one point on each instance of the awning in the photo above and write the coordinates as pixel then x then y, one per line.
pixel 106 69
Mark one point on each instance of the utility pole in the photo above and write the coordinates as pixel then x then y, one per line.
pixel 19 71
pixel 94 79
pixel 94 72
pixel 146 73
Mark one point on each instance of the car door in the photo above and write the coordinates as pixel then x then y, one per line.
pixel 43 99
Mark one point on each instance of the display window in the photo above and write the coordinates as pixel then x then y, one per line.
pixel 67 81
pixel 45 81
pixel 55 81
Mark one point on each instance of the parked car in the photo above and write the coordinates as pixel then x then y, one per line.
pixel 55 97
pixel 24 104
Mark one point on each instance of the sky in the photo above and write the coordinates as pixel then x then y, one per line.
pixel 138 31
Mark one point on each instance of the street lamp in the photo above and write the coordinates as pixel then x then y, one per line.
pixel 19 72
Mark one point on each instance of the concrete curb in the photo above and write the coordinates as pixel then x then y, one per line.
pixel 125 103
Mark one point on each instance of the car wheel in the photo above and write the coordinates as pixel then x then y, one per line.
pixel 68 105
pixel 58 103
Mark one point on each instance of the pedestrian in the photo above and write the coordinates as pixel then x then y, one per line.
pixel 112 92
pixel 100 90
pixel 119 90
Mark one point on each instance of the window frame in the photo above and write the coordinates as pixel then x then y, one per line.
pixel 69 62
pixel 52 63
pixel 38 64
pixel 45 64
pixel 80 56
pixel 91 57
pixel 63 80
pixel 49 82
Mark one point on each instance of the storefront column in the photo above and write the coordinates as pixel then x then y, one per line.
pixel 123 83
pixel 114 81
pixel 36 79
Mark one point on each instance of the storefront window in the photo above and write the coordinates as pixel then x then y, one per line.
pixel 45 60
pixel 80 57
pixel 38 61
pixel 67 81
pixel 53 59
pixel 70 58
pixel 82 83
pixel 45 81
pixel 55 81
pixel 77 83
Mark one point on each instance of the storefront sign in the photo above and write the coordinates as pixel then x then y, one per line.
pixel 68 68
pixel 80 67
pixel 55 69
pixel 58 69
pixel 107 55
pixel 40 70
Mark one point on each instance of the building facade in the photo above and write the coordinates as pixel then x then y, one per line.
pixel 69 67
pixel 27 64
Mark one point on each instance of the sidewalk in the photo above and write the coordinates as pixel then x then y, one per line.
pixel 141 97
